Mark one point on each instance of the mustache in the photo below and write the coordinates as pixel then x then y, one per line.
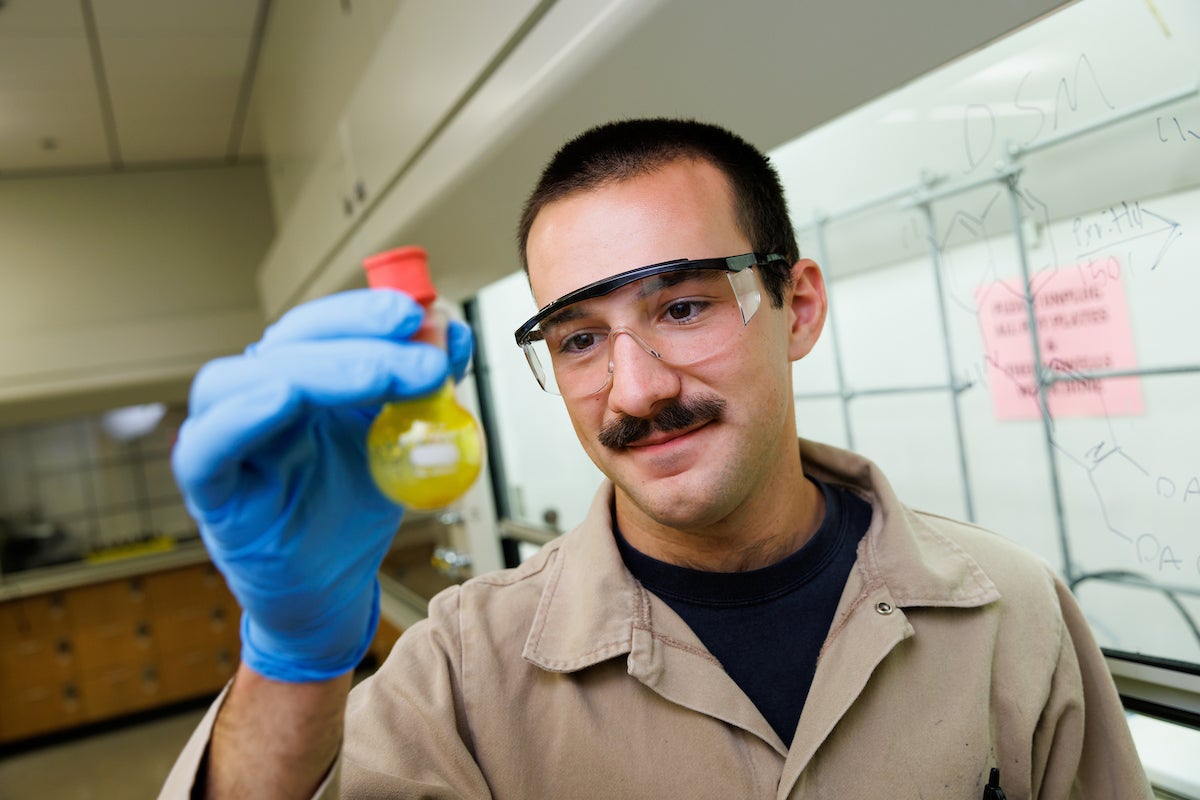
pixel 680 413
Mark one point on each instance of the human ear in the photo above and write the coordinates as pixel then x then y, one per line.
pixel 808 306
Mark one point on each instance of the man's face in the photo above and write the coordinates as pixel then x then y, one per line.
pixel 725 455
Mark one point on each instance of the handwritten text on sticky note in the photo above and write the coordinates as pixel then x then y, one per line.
pixel 1083 327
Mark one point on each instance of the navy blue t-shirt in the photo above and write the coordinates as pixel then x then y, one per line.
pixel 767 626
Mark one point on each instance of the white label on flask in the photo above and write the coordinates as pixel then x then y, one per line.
pixel 434 455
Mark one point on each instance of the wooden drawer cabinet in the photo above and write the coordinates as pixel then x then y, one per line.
pixel 39 708
pixel 190 586
pixel 108 644
pixel 121 689
pixel 185 629
pixel 30 662
pixel 193 609
pixel 112 648
pixel 187 673
pixel 33 618
pixel 35 641
pixel 103 603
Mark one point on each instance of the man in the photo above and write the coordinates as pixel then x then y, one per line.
pixel 740 615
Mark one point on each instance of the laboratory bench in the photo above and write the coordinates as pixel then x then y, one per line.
pixel 88 643
pixel 82 643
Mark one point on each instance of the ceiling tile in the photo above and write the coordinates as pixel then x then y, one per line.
pixel 21 19
pixel 164 17
pixel 173 70
pixel 47 92
pixel 189 134
pixel 182 109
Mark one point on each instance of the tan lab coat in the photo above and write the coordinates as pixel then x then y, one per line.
pixel 952 651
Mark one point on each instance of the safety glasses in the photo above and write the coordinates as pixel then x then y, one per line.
pixel 680 312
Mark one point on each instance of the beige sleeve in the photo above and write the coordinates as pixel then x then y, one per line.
pixel 1086 749
pixel 407 732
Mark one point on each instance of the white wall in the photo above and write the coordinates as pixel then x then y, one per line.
pixel 96 491
pixel 125 280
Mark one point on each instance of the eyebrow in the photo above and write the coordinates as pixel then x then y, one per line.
pixel 561 317
pixel 669 279
pixel 645 287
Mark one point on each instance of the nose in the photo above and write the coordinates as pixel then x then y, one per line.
pixel 643 379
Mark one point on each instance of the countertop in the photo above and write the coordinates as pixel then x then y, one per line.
pixel 402 602
pixel 407 578
pixel 67 576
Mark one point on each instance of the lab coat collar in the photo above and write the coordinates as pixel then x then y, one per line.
pixel 592 608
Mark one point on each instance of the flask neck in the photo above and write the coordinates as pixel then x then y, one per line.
pixel 433 327
pixel 430 403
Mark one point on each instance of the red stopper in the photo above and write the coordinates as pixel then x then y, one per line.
pixel 405 269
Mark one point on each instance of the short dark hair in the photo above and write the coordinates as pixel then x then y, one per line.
pixel 619 151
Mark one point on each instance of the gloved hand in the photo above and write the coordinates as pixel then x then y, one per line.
pixel 272 465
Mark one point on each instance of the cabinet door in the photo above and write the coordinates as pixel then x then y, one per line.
pixel 197 671
pixel 43 616
pixel 192 608
pixel 35 642
pixel 122 641
pixel 195 626
pixel 121 689
pixel 111 624
pixel 312 57
pixel 103 603
pixel 322 213
pixel 200 584
pixel 34 661
pixel 40 708
pixel 425 64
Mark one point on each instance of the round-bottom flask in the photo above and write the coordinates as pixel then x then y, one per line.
pixel 425 453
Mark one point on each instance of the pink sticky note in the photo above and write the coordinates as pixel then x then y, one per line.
pixel 1083 327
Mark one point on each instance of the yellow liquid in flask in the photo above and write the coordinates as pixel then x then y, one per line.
pixel 425 453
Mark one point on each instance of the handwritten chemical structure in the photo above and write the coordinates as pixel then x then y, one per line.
pixel 1120 224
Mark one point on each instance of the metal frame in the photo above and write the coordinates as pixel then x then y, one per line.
pixel 921 196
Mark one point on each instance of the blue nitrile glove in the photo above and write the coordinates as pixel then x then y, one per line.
pixel 272 464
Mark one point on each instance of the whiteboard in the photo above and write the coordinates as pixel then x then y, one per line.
pixel 1062 164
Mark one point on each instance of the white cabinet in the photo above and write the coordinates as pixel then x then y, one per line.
pixel 425 67
pixel 313 56
pixel 321 213
pixel 427 63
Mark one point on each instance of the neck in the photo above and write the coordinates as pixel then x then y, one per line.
pixel 775 522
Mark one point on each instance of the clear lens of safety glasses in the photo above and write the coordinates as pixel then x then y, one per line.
pixel 681 316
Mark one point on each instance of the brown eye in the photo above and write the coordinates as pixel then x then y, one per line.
pixel 578 343
pixel 682 310
pixel 679 311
